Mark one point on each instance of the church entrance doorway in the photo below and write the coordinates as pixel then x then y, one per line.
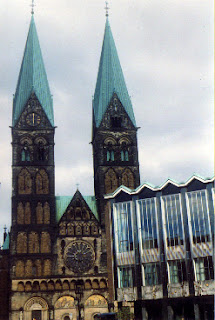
pixel 36 315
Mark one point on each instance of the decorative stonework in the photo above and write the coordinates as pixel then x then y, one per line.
pixel 79 256
pixel 41 303
pixel 24 182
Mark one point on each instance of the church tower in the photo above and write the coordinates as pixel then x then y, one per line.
pixel 114 138
pixel 33 187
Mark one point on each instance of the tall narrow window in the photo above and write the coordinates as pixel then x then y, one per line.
pixel 42 182
pixel 24 182
pixel 147 220
pixel 123 227
pixel 20 213
pixel 111 181
pixel 124 155
pixel 128 179
pixel 41 152
pixel 199 216
pixel 110 155
pixel 25 154
pixel 173 220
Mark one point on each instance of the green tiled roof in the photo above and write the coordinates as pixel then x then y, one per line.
pixel 110 80
pixel 91 202
pixel 6 242
pixel 32 78
pixel 62 203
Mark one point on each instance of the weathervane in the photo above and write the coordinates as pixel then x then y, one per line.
pixel 107 8
pixel 32 7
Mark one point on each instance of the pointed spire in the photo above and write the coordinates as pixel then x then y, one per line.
pixel 32 78
pixel 110 80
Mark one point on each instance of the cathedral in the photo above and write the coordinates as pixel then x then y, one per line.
pixel 56 251
pixel 141 251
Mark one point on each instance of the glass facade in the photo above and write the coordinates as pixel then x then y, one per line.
pixel 126 277
pixel 173 220
pixel 199 216
pixel 204 269
pixel 177 271
pixel 148 223
pixel 123 227
pixel 152 274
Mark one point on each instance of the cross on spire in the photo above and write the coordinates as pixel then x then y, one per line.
pixel 32 7
pixel 107 8
pixel 77 184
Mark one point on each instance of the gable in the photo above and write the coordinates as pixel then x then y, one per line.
pixel 115 116
pixel 78 217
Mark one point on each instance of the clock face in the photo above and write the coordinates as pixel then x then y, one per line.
pixel 33 119
pixel 79 256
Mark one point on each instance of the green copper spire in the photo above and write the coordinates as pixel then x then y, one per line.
pixel 110 80
pixel 32 78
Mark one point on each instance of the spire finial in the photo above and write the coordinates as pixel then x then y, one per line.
pixel 77 185
pixel 107 8
pixel 32 7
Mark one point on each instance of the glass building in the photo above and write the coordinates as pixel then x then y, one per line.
pixel 162 244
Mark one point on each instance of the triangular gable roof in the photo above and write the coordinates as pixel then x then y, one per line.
pixel 110 80
pixel 32 78
pixel 158 188
pixel 62 203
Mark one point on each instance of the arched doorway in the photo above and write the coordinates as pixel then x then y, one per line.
pixel 36 308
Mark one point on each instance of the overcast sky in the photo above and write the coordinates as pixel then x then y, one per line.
pixel 166 53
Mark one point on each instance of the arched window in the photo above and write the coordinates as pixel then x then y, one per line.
pixel 45 242
pixel 20 268
pixel 25 154
pixel 41 152
pixel 111 181
pixel 42 182
pixel 46 210
pixel 47 267
pixel 128 179
pixel 124 155
pixel 21 243
pixel 20 213
pixel 33 243
pixel 39 213
pixel 27 213
pixel 110 155
pixel 24 182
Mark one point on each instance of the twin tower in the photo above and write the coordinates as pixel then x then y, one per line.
pixel 57 241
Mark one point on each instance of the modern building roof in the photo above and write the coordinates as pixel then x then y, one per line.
pixel 62 203
pixel 110 80
pixel 158 188
pixel 32 78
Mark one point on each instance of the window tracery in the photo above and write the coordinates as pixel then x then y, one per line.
pixel 128 179
pixel 39 213
pixel 28 268
pixel 46 213
pixel 24 182
pixel 20 269
pixel 47 267
pixel 21 242
pixel 20 213
pixel 42 182
pixel 33 243
pixel 45 242
pixel 27 213
pixel 111 181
